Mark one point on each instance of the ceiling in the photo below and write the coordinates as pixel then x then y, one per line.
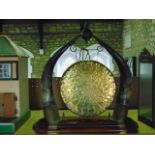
pixel 27 21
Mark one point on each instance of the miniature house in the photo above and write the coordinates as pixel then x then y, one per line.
pixel 14 104
pixel 30 56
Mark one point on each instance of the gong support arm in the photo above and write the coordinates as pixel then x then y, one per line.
pixel 120 112
pixel 50 109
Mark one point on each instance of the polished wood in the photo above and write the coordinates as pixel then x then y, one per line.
pixel 8 105
pixel 35 93
pixel 79 126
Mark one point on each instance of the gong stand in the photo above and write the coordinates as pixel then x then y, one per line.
pixel 118 123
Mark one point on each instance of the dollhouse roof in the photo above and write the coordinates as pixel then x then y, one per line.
pixel 9 48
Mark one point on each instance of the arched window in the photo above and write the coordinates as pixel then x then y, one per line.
pixel 69 57
pixel 101 55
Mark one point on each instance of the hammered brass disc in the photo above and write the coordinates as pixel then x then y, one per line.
pixel 88 88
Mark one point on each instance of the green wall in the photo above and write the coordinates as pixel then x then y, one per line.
pixel 142 35
pixel 56 35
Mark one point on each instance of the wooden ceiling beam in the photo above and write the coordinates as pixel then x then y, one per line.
pixel 41 34
pixel 54 21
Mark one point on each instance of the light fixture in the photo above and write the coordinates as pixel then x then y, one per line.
pixel 41 51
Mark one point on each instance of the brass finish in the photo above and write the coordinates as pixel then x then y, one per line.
pixel 88 88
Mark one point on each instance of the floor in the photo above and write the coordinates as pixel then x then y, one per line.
pixel 27 129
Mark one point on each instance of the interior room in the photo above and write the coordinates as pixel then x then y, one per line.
pixel 76 76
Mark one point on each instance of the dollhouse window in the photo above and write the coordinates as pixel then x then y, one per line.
pixel 8 70
pixel 5 70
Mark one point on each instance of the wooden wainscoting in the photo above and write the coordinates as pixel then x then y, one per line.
pixel 35 94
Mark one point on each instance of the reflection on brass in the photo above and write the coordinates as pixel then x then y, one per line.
pixel 88 88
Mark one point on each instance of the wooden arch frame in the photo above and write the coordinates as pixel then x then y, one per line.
pixel 50 109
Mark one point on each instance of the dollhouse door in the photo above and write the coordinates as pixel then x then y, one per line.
pixel 1 106
pixel 7 105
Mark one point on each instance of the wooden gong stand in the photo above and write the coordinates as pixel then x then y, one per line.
pixel 118 123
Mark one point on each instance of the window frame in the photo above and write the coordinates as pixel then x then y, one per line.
pixel 16 70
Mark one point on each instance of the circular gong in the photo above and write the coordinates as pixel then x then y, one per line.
pixel 88 88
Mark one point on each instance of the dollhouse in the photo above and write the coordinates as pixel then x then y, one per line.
pixel 14 104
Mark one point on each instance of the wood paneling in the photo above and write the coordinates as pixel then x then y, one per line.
pixel 35 93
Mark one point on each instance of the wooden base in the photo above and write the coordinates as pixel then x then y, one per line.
pixel 97 126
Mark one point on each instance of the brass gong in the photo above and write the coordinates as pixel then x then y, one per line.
pixel 88 88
